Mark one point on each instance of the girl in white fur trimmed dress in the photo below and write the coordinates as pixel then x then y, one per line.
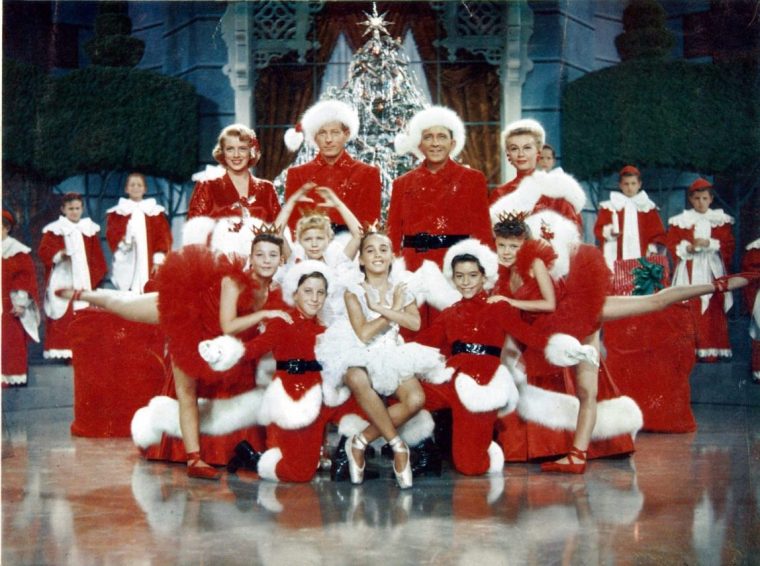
pixel 367 349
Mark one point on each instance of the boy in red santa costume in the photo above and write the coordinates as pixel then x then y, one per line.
pixel 329 125
pixel 226 198
pixel 139 236
pixel 71 253
pixel 21 317
pixel 628 225
pixel 701 241
pixel 471 333
pixel 293 406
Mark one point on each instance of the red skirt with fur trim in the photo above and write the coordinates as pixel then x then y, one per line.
pixel 189 285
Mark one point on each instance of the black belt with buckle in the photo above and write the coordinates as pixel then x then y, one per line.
pixel 298 366
pixel 423 241
pixel 477 349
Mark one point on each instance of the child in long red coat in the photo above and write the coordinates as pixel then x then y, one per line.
pixel 70 250
pixel 21 315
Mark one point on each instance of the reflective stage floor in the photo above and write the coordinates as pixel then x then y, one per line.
pixel 681 499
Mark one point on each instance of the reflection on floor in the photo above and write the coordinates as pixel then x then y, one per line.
pixel 682 499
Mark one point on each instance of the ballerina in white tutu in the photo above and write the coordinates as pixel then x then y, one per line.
pixel 366 352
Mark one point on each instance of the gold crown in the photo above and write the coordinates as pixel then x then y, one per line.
pixel 271 229
pixel 513 216
pixel 375 227
pixel 307 211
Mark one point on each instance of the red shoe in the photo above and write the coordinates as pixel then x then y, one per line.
pixel 576 463
pixel 197 468
pixel 721 283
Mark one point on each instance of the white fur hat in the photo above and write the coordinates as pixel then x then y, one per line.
pixel 486 256
pixel 318 115
pixel 290 282
pixel 409 141
pixel 524 124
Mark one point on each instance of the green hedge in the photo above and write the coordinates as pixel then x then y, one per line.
pixel 698 117
pixel 102 118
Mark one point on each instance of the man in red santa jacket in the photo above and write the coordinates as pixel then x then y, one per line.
pixel 329 125
pixel 70 250
pixel 701 241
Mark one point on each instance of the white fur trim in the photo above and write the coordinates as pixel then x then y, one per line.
pixel 233 235
pixel 753 245
pixel 217 417
pixel 222 352
pixel 428 285
pixel 496 457
pixel 57 354
pixel 442 374
pixel 564 350
pixel 486 256
pixel 418 428
pixel 293 139
pixel 565 241
pixel 11 247
pixel 498 392
pixel 294 273
pixel 559 411
pixel 281 409
pixel 209 173
pixel 197 230
pixel 64 226
pixel 351 424
pixel 126 207
pixel 688 218
pixel 268 464
pixel 428 118
pixel 15 379
pixel 525 124
pixel 335 396
pixel 326 111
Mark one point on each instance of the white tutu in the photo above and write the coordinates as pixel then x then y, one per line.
pixel 389 361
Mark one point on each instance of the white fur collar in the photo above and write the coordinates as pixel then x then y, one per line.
pixel 64 226
pixel 688 218
pixel 11 247
pixel 754 245
pixel 126 207
pixel 618 201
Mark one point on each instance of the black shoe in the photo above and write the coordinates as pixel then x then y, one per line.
pixel 426 459
pixel 339 467
pixel 245 457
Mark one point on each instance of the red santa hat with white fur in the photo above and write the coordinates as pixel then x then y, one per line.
pixel 409 141
pixel 317 116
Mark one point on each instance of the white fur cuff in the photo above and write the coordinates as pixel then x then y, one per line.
pixel 564 350
pixel 222 352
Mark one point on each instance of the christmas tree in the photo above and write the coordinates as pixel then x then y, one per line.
pixel 384 94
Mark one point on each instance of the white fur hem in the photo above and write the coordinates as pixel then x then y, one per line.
pixel 281 409
pixel 351 424
pixel 418 428
pixel 217 417
pixel 57 354
pixel 268 464
pixel 497 393
pixel 16 379
pixel 714 353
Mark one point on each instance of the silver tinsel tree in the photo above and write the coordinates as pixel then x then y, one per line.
pixel 385 95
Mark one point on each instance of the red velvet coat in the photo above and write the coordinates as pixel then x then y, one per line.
pixel 218 198
pixel 651 229
pixel 356 184
pixel 17 275
pixel 453 200
pixel 158 232
pixel 52 243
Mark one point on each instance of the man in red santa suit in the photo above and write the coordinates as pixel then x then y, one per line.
pixel 21 317
pixel 329 125
pixel 70 250
pixel 228 197
pixel 139 236
pixel 628 225
pixel 437 204
pixel 701 241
